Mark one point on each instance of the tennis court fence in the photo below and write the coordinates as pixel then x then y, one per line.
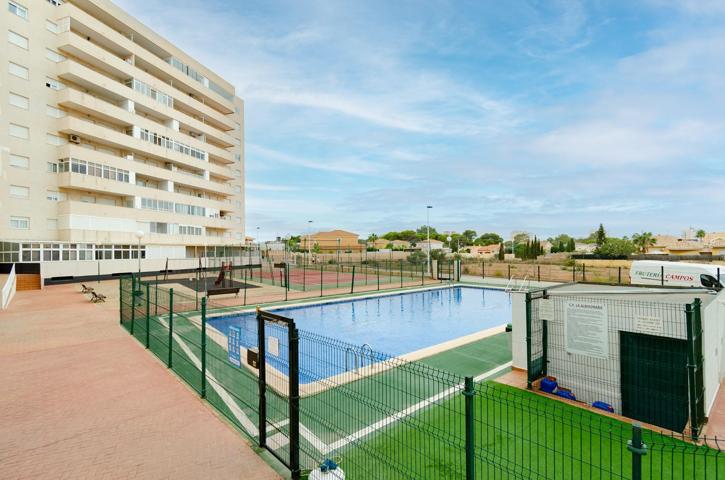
pixel 308 398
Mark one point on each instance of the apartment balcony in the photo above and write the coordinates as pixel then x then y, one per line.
pixel 91 183
pixel 112 90
pixel 124 216
pixel 117 42
pixel 107 136
pixel 90 105
pixel 179 178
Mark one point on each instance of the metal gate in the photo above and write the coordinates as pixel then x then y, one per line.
pixel 536 337
pixel 654 386
pixel 279 385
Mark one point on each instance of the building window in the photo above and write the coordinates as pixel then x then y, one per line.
pixel 52 167
pixel 19 131
pixel 52 224
pixel 18 70
pixel 54 112
pixel 17 39
pixel 237 188
pixel 18 10
pixel 189 230
pixel 55 139
pixel 19 161
pixel 159 227
pixel 20 223
pixel 19 101
pixel 54 195
pixel 53 56
pixel 160 97
pixel 54 84
pixel 18 191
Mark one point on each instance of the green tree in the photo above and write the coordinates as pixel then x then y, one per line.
pixel 372 237
pixel 571 245
pixel 392 236
pixel 407 235
pixel 701 234
pixel 417 258
pixel 437 254
pixel 422 232
pixel 316 248
pixel 469 236
pixel 501 252
pixel 614 247
pixel 643 241
pixel 600 236
pixel 489 239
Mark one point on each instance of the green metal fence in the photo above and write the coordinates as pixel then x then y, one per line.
pixel 307 398
pixel 643 358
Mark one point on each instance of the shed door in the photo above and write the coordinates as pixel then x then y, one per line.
pixel 654 380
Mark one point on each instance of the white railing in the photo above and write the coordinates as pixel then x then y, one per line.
pixel 8 290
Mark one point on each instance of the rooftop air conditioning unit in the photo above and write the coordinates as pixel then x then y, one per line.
pixel 74 139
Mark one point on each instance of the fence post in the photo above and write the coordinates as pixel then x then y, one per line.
pixel 573 272
pixel 483 269
pixel 377 271
pixel 321 277
pixel 528 341
pixel 261 364
pixel 120 300
pixel 638 450
pixel 509 268
pixel 584 272
pixel 133 301
pixel 422 275
pixel 156 295
pixel 148 312
pixel 304 275
pixel 619 275
pixel 469 393
pixel 538 273
pixel 203 347
pixel 170 361
pixel 294 401
pixel 401 274
pixel 662 275
pixel 352 285
pixel 692 310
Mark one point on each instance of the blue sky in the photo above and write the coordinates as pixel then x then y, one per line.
pixel 545 116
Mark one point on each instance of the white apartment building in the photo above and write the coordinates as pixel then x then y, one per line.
pixel 107 129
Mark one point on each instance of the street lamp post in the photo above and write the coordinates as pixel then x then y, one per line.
pixel 139 235
pixel 427 227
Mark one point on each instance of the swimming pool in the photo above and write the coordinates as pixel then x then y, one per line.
pixel 394 324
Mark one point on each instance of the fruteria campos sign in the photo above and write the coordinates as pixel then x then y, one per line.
pixel 233 343
pixel 586 328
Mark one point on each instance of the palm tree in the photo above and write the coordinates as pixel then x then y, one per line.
pixel 701 234
pixel 643 241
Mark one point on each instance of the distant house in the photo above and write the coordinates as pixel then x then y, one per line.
pixel 686 247
pixel 400 244
pixel 434 245
pixel 581 247
pixel 485 251
pixel 379 243
pixel 332 241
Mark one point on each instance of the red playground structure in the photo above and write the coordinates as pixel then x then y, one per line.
pixel 226 267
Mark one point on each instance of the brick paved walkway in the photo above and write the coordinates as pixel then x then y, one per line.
pixel 80 399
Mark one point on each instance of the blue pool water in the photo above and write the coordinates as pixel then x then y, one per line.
pixel 394 324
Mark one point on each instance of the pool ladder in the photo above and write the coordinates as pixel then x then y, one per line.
pixel 358 355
